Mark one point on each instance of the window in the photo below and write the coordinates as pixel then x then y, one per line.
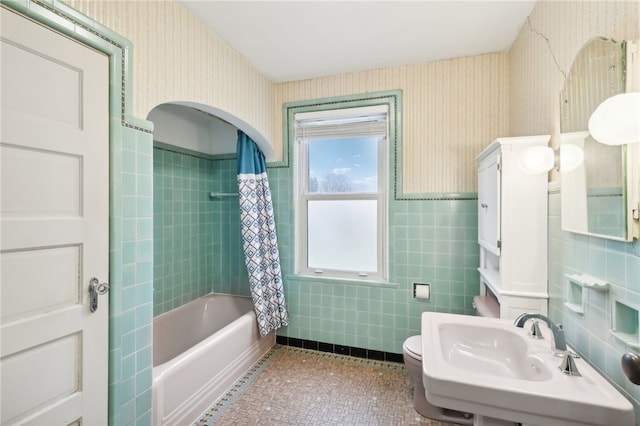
pixel 341 192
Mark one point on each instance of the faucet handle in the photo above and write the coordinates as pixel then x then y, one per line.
pixel 568 365
pixel 535 332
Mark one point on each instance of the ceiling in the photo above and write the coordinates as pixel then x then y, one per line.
pixel 298 40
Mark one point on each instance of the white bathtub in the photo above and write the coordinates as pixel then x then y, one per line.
pixel 199 350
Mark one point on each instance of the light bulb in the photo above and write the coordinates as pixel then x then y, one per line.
pixel 537 159
pixel 571 157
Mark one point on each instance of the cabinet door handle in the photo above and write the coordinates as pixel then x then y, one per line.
pixel 484 206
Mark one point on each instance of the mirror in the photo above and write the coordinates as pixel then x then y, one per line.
pixel 594 195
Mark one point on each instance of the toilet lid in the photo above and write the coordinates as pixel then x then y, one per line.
pixel 413 346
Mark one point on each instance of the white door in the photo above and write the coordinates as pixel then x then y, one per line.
pixel 54 227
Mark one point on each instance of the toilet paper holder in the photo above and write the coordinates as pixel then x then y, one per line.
pixel 422 291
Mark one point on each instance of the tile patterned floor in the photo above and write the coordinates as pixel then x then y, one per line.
pixel 292 386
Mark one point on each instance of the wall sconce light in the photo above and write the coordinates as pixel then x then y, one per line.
pixel 541 159
pixel 616 121
pixel 571 157
pixel 537 159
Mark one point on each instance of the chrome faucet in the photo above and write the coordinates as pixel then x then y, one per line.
pixel 558 333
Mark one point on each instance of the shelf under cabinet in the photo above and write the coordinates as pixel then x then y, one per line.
pixel 492 279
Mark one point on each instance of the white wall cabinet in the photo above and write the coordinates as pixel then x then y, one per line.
pixel 512 228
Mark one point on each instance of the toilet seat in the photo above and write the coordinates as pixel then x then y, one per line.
pixel 413 347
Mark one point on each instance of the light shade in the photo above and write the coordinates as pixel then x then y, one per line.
pixel 616 121
pixel 571 157
pixel 537 159
pixel 541 159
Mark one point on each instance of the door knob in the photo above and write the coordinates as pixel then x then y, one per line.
pixel 96 288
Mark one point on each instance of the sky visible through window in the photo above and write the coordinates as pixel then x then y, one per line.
pixel 343 165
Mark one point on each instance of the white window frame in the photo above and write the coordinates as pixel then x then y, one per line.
pixel 302 196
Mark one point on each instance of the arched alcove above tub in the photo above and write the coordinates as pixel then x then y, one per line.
pixel 197 243
pixel 202 128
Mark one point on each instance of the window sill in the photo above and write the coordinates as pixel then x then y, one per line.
pixel 343 281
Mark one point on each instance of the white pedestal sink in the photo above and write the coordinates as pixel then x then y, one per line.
pixel 491 368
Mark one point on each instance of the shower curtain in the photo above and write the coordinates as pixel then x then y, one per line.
pixel 259 237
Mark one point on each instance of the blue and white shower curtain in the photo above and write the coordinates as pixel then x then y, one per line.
pixel 259 237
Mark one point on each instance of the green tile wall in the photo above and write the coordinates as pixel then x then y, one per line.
pixel 613 261
pixel 131 278
pixel 430 241
pixel 183 228
pixel 230 272
pixel 197 245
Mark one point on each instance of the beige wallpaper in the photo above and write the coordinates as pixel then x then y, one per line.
pixel 451 111
pixel 545 49
pixel 176 58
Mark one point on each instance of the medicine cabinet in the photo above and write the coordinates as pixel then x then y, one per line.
pixel 512 228
pixel 600 196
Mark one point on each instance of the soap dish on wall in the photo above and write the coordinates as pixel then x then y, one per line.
pixel 575 298
pixel 589 282
pixel 626 324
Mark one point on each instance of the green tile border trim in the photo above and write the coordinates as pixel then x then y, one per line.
pixel 66 20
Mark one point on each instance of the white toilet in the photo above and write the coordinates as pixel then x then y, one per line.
pixel 485 306
pixel 412 355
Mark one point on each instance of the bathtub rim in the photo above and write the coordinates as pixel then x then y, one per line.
pixel 200 343
pixel 193 406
